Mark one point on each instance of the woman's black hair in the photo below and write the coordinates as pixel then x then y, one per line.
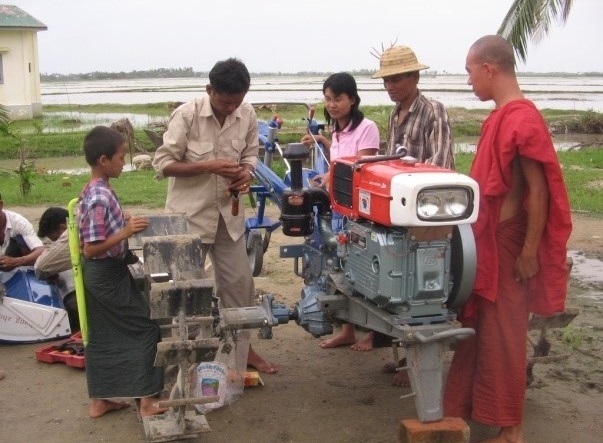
pixel 344 83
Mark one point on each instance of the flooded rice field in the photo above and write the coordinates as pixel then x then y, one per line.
pixel 567 92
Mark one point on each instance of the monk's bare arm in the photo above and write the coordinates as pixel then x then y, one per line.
pixel 513 200
pixel 537 207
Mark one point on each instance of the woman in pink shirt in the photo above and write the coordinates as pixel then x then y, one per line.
pixel 352 134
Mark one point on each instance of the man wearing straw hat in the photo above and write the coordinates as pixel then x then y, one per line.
pixel 417 122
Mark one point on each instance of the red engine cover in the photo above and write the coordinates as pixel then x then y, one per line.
pixel 350 181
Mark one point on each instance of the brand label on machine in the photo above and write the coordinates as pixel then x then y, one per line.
pixel 364 202
pixel 357 237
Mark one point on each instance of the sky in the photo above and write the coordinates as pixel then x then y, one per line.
pixel 292 35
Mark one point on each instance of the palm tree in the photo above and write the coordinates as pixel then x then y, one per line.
pixel 4 120
pixel 531 20
pixel 26 167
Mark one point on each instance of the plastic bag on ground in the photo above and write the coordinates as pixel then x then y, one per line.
pixel 225 376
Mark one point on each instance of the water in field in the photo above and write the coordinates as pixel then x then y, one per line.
pixel 571 92
pixel 588 270
pixel 87 120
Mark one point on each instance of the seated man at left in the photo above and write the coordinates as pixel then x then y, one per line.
pixel 19 244
pixel 54 265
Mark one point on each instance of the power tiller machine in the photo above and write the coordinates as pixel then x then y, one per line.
pixel 271 186
pixel 404 261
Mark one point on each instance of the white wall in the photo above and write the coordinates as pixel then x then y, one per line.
pixel 20 92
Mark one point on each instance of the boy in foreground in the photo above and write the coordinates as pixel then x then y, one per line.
pixel 122 338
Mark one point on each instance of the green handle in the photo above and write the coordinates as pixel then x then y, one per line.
pixel 76 264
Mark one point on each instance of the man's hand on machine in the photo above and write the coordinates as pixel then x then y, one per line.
pixel 321 181
pixel 308 139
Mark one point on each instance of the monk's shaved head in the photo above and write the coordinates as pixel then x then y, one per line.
pixel 495 50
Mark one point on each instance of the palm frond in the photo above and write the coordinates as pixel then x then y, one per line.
pixel 531 20
pixel 4 119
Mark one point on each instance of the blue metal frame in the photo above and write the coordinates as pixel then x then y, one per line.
pixel 270 185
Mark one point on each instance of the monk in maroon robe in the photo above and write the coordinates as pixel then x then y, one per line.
pixel 521 235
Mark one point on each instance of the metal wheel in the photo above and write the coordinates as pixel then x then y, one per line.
pixel 464 264
pixel 255 251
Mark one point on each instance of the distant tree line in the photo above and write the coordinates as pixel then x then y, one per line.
pixel 190 72
pixel 151 73
pixel 175 73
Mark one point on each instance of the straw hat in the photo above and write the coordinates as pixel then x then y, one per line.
pixel 398 60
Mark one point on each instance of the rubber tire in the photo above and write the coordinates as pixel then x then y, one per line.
pixel 255 251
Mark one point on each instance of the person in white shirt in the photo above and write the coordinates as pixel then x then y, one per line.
pixel 19 244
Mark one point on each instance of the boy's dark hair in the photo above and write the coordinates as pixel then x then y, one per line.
pixel 344 83
pixel 230 76
pixel 50 221
pixel 100 141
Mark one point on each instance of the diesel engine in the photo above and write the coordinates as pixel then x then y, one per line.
pixel 406 253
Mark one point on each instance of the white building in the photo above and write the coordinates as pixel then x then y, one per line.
pixel 19 66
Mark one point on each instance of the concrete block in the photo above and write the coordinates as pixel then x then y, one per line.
pixel 178 255
pixel 161 224
pixel 194 296
pixel 447 430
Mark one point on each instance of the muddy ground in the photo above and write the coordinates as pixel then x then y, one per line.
pixel 335 395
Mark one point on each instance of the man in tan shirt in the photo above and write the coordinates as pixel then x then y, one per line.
pixel 209 152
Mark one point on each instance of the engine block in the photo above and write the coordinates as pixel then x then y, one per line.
pixel 398 272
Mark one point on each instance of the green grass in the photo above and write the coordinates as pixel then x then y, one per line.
pixel 463 162
pixel 583 169
pixel 136 188
pixel 583 174
pixel 150 109
pixel 50 136
pixel 54 144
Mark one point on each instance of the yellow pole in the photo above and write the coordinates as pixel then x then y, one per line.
pixel 76 264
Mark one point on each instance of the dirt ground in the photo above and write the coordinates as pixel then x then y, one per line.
pixel 334 395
